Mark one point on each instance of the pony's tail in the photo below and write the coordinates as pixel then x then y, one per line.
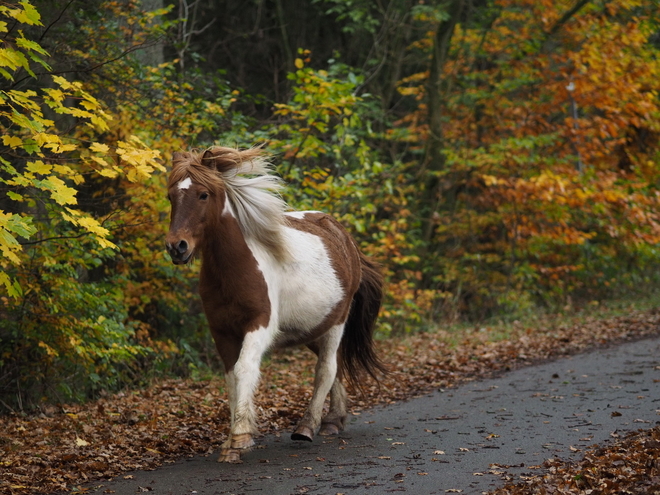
pixel 357 346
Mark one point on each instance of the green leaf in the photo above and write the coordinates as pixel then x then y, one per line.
pixel 39 60
pixel 27 44
pixel 21 226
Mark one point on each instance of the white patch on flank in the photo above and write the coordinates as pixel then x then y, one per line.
pixel 309 287
pixel 302 292
pixel 299 214
pixel 185 183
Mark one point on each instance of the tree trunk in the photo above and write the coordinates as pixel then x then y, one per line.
pixel 152 53
pixel 434 158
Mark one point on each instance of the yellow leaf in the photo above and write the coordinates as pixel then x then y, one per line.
pixel 99 148
pixel 104 243
pixel 66 147
pixel 39 167
pixel 12 141
pixel 491 180
pixel 80 442
pixel 299 63
pixel 107 172
pixel 62 82
pixel 49 350
pixel 55 94
pixel 63 170
pixel 59 191
pixel 78 179
pixel 92 225
pixel 42 138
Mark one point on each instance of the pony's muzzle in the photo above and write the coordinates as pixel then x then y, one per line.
pixel 180 251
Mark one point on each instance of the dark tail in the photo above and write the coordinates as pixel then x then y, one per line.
pixel 357 346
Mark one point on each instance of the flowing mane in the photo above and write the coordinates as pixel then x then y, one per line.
pixel 251 188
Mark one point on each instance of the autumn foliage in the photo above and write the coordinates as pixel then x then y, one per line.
pixel 548 187
pixel 495 157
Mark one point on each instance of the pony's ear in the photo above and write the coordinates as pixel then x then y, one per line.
pixel 221 159
pixel 178 155
pixel 208 158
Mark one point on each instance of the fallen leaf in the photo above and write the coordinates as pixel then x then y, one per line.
pixel 80 442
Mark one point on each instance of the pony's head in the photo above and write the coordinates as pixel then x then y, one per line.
pixel 205 185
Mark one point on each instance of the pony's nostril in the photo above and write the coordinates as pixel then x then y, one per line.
pixel 182 247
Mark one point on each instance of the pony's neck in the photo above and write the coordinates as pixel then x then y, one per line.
pixel 224 250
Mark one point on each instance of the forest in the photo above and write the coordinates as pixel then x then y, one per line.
pixel 496 157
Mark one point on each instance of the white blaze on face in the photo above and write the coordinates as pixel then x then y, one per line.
pixel 185 184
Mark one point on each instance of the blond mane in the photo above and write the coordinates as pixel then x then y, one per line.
pixel 251 188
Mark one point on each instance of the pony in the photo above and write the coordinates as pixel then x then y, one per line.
pixel 272 278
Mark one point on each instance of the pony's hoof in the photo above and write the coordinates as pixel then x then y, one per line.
pixel 242 441
pixel 232 456
pixel 329 429
pixel 303 433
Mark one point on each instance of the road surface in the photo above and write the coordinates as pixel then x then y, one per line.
pixel 467 440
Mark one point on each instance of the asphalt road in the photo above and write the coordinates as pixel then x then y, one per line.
pixel 471 438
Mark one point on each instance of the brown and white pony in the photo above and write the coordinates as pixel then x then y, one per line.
pixel 272 278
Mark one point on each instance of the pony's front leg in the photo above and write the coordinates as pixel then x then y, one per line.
pixel 227 454
pixel 242 382
pixel 326 373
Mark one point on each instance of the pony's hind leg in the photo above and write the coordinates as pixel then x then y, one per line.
pixel 325 380
pixel 334 421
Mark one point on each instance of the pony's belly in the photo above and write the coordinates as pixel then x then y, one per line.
pixel 306 289
pixel 309 307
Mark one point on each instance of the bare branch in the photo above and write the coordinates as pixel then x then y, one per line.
pixel 43 35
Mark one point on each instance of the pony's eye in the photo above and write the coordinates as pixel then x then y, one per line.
pixel 204 196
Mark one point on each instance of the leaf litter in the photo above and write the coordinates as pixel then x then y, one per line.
pixel 64 447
